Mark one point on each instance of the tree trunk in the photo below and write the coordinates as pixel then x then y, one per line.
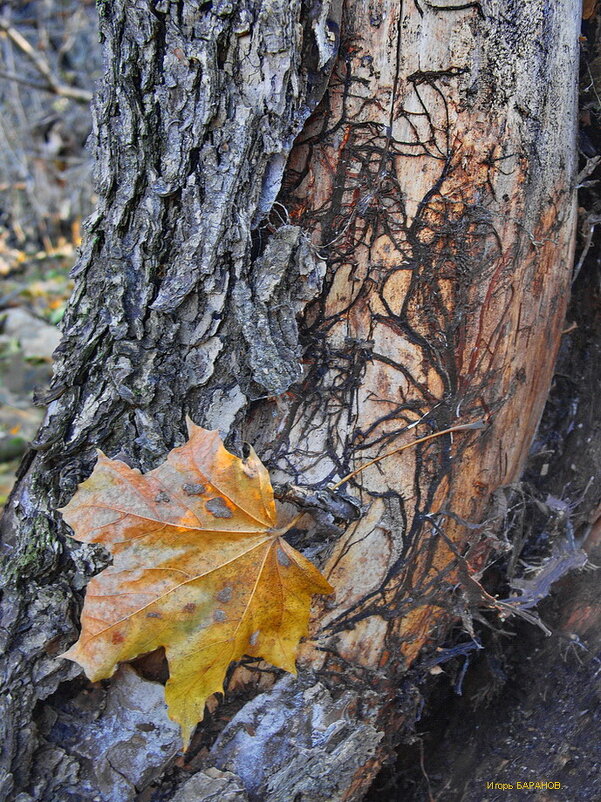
pixel 406 262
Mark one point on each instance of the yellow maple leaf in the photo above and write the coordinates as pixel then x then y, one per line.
pixel 198 568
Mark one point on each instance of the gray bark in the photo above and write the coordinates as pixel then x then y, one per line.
pixel 192 128
pixel 191 298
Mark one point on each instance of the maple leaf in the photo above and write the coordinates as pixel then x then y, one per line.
pixel 198 568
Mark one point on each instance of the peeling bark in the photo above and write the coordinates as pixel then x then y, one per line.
pixel 405 264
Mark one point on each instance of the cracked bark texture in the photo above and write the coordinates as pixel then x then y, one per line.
pixel 316 275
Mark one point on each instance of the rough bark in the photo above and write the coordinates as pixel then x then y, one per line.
pixel 192 127
pixel 414 268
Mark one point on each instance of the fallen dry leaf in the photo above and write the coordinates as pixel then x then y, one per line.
pixel 198 568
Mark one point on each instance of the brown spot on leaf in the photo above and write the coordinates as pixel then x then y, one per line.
pixel 189 608
pixel 218 508
pixel 225 594
pixel 193 489
pixel 117 637
pixel 283 558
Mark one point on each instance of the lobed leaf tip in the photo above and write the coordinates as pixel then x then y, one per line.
pixel 71 654
pixel 194 428
pixel 190 426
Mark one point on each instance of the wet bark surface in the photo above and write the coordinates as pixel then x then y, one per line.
pixel 407 263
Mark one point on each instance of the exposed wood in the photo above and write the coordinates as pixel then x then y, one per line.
pixel 437 193
pixel 437 184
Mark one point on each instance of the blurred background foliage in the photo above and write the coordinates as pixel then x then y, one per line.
pixel 50 61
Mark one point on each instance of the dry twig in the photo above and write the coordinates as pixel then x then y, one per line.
pixel 52 84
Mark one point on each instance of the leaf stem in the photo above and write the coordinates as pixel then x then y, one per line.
pixel 459 428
